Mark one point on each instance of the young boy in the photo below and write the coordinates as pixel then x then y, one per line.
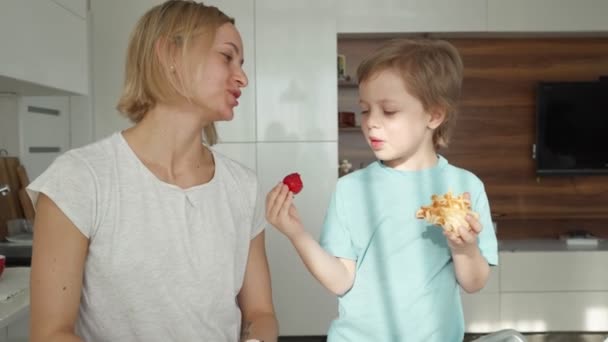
pixel 398 277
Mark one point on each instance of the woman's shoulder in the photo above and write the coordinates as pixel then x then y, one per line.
pixel 97 151
pixel 234 169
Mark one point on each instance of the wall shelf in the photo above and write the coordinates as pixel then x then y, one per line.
pixel 347 84
pixel 349 129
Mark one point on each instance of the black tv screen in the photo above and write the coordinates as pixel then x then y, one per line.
pixel 572 128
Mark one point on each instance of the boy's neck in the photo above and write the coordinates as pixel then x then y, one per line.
pixel 417 162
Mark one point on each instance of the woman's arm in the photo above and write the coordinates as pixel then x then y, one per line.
pixel 58 255
pixel 335 274
pixel 255 298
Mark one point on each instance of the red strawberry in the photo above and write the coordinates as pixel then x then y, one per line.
pixel 293 182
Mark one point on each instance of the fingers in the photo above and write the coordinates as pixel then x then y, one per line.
pixel 474 223
pixel 286 205
pixel 453 238
pixel 467 236
pixel 275 200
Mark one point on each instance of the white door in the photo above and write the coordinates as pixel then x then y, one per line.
pixel 45 131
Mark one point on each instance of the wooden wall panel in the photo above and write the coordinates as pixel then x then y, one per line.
pixel 496 130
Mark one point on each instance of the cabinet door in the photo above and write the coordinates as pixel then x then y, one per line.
pixel 303 306
pixel 482 309
pixel 383 16
pixel 44 44
pixel 296 70
pixel 547 15
pixel 553 271
pixel 45 130
pixel 555 311
pixel 242 127
pixel 78 7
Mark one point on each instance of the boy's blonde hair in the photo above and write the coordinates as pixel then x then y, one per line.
pixel 167 31
pixel 432 72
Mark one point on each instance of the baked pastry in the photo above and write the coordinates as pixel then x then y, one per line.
pixel 447 211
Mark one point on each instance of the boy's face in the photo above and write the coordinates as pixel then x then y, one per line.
pixel 395 124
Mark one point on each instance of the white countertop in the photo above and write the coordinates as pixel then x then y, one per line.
pixel 14 294
pixel 547 246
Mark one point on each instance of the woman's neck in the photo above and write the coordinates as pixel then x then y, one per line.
pixel 169 142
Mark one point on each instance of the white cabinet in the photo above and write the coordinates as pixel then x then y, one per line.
pixel 555 311
pixel 482 309
pixel 303 306
pixel 547 15
pixel 43 44
pixel 388 16
pixel 9 124
pixel 296 44
pixel 78 7
pixel 544 288
pixel 44 127
pixel 554 271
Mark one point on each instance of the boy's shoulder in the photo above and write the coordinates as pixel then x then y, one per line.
pixel 462 174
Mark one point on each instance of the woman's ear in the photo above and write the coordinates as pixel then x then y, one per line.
pixel 436 117
pixel 164 52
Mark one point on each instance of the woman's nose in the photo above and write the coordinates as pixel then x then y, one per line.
pixel 241 78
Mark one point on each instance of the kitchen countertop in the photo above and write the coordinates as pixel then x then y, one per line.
pixel 548 246
pixel 14 295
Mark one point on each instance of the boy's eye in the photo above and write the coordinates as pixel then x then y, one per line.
pixel 389 112
pixel 364 112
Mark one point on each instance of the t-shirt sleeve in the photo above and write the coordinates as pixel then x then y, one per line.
pixel 335 234
pixel 70 184
pixel 259 217
pixel 487 238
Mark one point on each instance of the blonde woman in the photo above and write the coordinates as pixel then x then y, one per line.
pixel 149 234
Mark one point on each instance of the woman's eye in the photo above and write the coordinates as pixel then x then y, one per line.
pixel 364 112
pixel 227 56
pixel 389 112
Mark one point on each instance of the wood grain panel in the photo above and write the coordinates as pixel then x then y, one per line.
pixel 495 130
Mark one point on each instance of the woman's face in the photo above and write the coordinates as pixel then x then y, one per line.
pixel 217 80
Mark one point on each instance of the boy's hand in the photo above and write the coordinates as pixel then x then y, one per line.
pixel 468 235
pixel 280 211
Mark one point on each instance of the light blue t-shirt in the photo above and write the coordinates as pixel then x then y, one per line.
pixel 405 288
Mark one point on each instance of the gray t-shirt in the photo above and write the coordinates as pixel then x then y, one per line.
pixel 164 263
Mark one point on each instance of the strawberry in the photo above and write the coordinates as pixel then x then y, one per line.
pixel 293 182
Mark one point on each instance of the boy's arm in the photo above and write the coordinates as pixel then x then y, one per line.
pixel 336 274
pixel 471 268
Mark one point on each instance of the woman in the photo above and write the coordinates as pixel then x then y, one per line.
pixel 150 235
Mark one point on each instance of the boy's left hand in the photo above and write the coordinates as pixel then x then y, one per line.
pixel 466 238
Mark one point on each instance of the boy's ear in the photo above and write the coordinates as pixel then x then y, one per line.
pixel 436 117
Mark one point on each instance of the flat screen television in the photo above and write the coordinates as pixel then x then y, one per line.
pixel 572 128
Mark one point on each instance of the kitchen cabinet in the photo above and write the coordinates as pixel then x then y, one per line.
pixel 303 306
pixel 542 286
pixel 547 16
pixel 77 7
pixel 44 49
pixel 296 47
pixel 389 16
pixel 37 129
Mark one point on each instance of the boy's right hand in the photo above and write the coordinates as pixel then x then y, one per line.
pixel 280 211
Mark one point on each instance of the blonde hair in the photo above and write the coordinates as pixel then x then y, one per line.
pixel 432 72
pixel 165 30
